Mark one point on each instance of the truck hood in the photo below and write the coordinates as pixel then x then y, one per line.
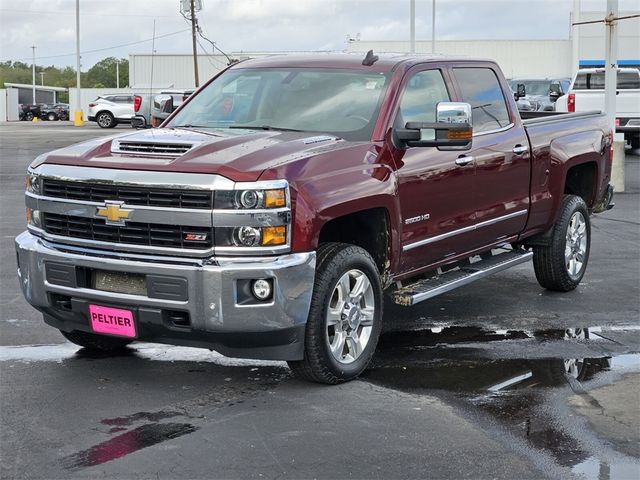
pixel 240 155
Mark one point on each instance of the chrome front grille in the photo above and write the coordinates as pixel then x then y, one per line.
pixel 134 233
pixel 153 197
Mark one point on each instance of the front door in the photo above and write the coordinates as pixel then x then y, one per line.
pixel 436 192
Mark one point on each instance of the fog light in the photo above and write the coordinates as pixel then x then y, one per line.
pixel 261 289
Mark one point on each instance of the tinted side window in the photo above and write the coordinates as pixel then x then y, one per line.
pixel 421 95
pixel 628 80
pixel 595 81
pixel 480 87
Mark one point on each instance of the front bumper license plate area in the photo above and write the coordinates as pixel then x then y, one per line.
pixel 112 321
pixel 120 282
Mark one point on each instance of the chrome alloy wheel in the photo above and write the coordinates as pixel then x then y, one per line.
pixel 575 249
pixel 350 316
pixel 104 120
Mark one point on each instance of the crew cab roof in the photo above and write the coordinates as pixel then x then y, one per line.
pixel 386 62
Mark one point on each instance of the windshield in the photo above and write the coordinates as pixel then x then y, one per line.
pixel 532 87
pixel 340 102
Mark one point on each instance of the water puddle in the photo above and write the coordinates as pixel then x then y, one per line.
pixel 579 411
pixel 121 445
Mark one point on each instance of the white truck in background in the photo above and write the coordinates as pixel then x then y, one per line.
pixel 587 94
pixel 150 110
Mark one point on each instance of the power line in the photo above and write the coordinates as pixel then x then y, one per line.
pixel 51 12
pixel 105 48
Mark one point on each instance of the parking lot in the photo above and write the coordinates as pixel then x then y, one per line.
pixel 500 379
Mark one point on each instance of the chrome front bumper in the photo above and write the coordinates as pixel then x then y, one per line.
pixel 271 330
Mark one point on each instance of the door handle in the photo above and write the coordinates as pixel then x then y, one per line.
pixel 519 149
pixel 464 160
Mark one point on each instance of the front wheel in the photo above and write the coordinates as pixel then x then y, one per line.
pixel 345 317
pixel 560 265
pixel 51 117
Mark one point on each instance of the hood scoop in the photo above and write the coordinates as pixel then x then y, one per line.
pixel 164 148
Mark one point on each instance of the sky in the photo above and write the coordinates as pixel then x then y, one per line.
pixel 122 27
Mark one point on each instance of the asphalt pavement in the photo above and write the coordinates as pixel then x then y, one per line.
pixel 500 379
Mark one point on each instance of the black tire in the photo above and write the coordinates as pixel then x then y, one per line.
pixel 28 116
pixel 96 343
pixel 51 117
pixel 549 262
pixel 635 142
pixel 105 119
pixel 333 261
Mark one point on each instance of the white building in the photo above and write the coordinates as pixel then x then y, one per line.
pixel 583 46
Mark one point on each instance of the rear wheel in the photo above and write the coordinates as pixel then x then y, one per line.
pixel 560 266
pixel 51 117
pixel 105 120
pixel 635 142
pixel 28 116
pixel 98 343
pixel 345 317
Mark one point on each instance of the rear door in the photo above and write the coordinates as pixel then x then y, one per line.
pixel 500 151
pixel 436 194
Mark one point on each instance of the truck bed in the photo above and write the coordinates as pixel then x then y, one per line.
pixel 537 118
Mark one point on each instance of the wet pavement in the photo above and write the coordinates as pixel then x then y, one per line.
pixel 497 380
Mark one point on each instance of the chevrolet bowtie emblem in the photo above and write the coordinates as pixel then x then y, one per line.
pixel 113 213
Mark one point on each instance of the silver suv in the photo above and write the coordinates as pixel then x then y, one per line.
pixel 109 110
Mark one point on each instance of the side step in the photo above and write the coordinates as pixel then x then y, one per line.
pixel 434 286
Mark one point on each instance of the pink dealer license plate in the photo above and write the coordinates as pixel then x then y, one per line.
pixel 112 321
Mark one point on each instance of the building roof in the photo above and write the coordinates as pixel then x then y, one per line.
pixel 38 87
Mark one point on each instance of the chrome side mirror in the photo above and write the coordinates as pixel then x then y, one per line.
pixel 451 131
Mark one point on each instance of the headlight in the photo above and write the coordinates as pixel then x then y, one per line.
pixel 247 236
pixel 33 217
pixel 251 199
pixel 33 183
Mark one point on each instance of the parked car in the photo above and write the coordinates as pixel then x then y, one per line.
pixel 274 209
pixel 110 110
pixel 151 109
pixel 587 93
pixel 541 94
pixel 56 111
pixel 28 112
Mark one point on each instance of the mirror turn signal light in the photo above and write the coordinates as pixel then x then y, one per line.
pixel 460 134
pixel 274 236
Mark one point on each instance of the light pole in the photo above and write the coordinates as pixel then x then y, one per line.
pixel 33 74
pixel 77 116
pixel 117 73
pixel 41 78
pixel 412 34
pixel 433 27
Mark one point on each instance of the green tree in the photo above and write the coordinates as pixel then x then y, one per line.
pixel 104 72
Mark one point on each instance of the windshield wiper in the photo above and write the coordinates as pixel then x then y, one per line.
pixel 265 127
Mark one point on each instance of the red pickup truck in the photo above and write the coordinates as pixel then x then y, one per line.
pixel 271 213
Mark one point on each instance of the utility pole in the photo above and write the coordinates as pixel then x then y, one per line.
pixel 41 78
pixel 611 63
pixel 412 36
pixel 77 116
pixel 117 73
pixel 33 74
pixel 193 38
pixel 575 37
pixel 433 26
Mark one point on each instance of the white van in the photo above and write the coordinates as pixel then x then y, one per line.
pixel 587 93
